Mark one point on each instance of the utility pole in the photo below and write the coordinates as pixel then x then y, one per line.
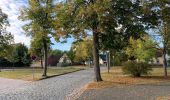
pixel 108 60
pixel 33 70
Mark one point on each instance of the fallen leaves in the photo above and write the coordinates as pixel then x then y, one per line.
pixel 117 78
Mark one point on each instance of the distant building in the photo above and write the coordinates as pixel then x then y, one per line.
pixel 102 59
pixel 158 60
pixel 64 61
pixel 53 60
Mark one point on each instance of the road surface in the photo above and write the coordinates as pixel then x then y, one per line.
pixel 56 88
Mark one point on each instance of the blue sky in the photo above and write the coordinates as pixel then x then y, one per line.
pixel 12 9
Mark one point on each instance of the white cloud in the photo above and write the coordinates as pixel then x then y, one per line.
pixel 12 9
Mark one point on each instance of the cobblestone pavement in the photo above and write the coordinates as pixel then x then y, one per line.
pixel 136 92
pixel 56 88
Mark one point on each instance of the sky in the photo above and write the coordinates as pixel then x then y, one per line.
pixel 12 9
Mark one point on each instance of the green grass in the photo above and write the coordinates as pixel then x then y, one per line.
pixel 27 73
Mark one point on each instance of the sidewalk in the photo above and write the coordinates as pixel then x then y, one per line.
pixel 134 92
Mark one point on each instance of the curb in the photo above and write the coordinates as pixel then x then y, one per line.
pixel 58 75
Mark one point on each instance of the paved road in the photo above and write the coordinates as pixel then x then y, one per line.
pixel 56 88
pixel 136 92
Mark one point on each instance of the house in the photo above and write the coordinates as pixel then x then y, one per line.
pixel 102 59
pixel 158 60
pixel 53 60
pixel 64 61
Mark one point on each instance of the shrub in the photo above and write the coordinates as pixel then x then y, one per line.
pixel 136 69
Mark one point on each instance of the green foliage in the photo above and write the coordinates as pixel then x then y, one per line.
pixel 36 47
pixel 112 23
pixel 141 49
pixel 136 69
pixel 20 55
pixel 40 16
pixel 5 37
pixel 117 58
pixel 78 16
pixel 71 54
pixel 57 52
pixel 116 61
pixel 17 56
pixel 83 50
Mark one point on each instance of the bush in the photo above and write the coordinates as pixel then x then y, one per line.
pixel 136 68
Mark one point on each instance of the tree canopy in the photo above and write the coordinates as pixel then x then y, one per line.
pixel 5 37
pixel 112 23
pixel 141 49
pixel 83 50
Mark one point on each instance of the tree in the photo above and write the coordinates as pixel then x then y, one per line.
pixel 40 15
pixel 5 37
pixel 11 55
pixel 20 55
pixel 114 19
pixel 57 52
pixel 71 54
pixel 141 49
pixel 83 50
pixel 162 8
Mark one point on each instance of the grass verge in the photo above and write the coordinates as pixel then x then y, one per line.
pixel 27 73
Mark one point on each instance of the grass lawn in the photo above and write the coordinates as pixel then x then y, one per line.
pixel 26 73
pixel 117 78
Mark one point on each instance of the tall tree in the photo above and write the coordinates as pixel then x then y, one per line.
pixel 5 37
pixel 162 9
pixel 39 15
pixel 113 19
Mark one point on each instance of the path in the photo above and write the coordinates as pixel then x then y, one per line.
pixel 56 88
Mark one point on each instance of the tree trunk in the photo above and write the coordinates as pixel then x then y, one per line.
pixel 96 56
pixel 165 63
pixel 45 58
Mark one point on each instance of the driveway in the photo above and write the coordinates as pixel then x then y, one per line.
pixel 56 88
